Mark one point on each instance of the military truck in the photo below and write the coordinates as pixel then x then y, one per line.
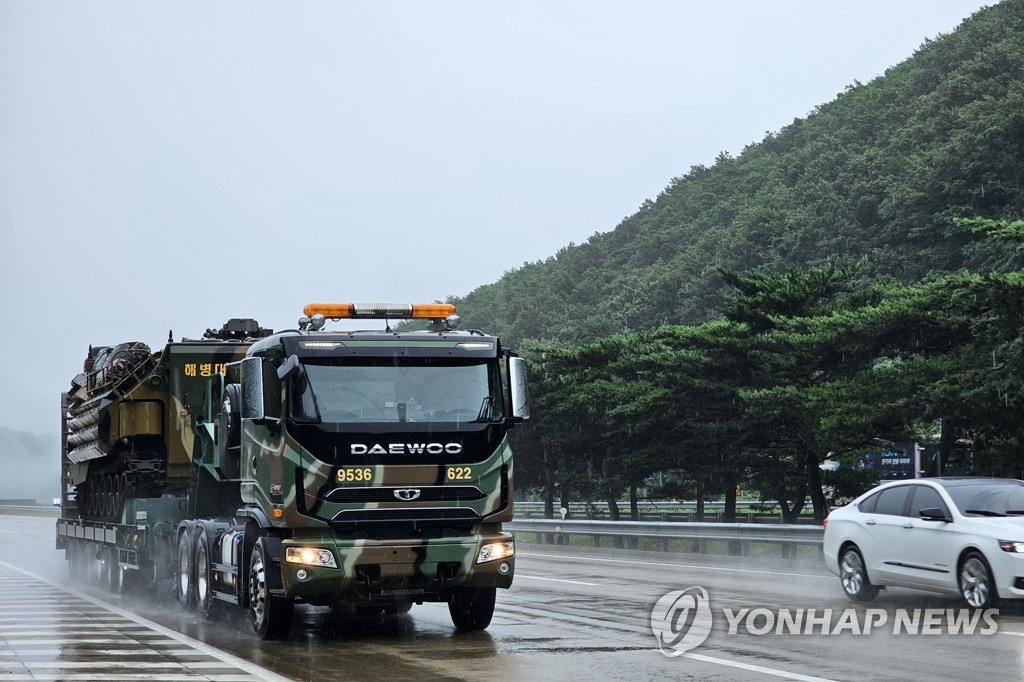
pixel 365 470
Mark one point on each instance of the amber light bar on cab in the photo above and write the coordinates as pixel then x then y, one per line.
pixel 391 311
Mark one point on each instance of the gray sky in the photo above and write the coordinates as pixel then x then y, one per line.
pixel 171 165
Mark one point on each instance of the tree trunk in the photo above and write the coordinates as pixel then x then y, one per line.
pixel 634 506
pixel 729 512
pixel 549 487
pixel 613 507
pixel 814 483
pixel 700 503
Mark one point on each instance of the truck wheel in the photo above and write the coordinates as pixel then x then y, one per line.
pixel 93 568
pixel 127 580
pixel 271 615
pixel 186 584
pixel 73 554
pixel 109 568
pixel 206 603
pixel 472 607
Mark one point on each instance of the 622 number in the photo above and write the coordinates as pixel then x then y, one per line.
pixel 460 473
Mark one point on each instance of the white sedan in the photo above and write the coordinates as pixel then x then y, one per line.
pixel 963 536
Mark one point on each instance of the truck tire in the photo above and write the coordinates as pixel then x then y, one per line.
pixel 74 558
pixel 202 551
pixel 471 608
pixel 271 614
pixel 126 581
pixel 186 583
pixel 109 569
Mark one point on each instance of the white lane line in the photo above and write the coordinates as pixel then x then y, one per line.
pixel 240 663
pixel 556 580
pixel 656 563
pixel 120 665
pixel 775 672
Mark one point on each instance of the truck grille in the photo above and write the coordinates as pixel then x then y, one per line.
pixel 437 516
pixel 427 493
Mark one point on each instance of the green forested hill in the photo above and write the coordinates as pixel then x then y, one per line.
pixel 879 172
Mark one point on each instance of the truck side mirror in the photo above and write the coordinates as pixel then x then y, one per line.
pixel 517 388
pixel 261 391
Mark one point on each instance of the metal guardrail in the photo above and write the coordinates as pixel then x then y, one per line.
pixel 749 512
pixel 28 510
pixel 735 538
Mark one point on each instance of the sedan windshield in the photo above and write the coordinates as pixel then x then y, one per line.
pixel 993 498
pixel 396 390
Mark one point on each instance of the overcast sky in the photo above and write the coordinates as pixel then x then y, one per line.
pixel 167 166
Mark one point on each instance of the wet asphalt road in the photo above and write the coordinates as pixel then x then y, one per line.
pixel 573 614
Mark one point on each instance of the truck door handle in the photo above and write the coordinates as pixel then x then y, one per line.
pixel 254 463
pixel 870 522
pixel 908 524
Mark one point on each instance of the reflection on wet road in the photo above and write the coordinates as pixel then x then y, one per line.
pixel 48 632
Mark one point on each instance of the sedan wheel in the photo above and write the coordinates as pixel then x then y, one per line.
pixel 854 576
pixel 976 585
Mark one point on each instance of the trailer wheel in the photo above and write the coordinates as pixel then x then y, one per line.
pixel 471 608
pixel 271 614
pixel 73 554
pixel 186 584
pixel 206 603
pixel 108 570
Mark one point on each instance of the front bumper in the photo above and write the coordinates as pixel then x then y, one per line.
pixel 414 570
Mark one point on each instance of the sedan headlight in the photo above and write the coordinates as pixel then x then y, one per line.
pixel 1012 546
pixel 496 550
pixel 310 556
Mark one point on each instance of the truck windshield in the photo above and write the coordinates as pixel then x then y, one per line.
pixel 396 390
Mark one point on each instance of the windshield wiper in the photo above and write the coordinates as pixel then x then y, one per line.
pixel 982 512
pixel 1014 512
pixel 485 409
pixel 308 388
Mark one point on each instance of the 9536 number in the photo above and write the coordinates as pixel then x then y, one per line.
pixel 355 475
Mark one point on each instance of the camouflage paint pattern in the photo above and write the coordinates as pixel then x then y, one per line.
pixel 406 564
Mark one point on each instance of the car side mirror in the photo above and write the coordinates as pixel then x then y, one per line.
pixel 934 514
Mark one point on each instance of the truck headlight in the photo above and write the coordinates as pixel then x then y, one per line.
pixel 310 556
pixel 1014 546
pixel 496 550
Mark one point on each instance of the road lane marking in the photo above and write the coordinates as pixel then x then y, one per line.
pixel 150 638
pixel 656 563
pixel 775 672
pixel 556 580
